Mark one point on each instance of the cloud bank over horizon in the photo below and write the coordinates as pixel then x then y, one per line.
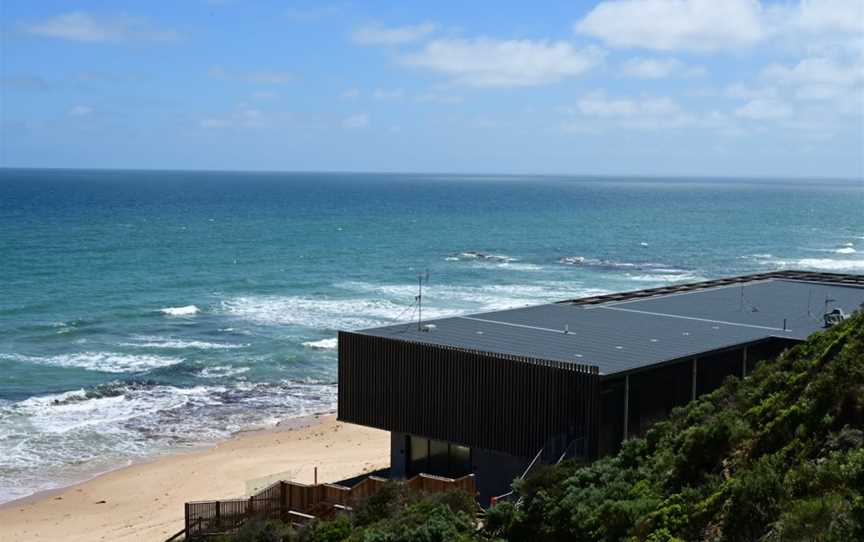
pixel 739 87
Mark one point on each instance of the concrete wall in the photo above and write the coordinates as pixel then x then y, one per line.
pixel 398 455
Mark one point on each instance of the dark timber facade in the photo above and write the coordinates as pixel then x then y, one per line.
pixel 487 393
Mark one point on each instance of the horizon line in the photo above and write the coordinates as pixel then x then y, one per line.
pixel 645 176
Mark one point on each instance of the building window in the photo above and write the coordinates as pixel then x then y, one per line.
pixel 438 457
pixel 419 455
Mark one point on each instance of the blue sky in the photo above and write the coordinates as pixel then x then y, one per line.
pixel 650 87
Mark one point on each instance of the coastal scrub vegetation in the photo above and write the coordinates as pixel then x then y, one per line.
pixel 776 457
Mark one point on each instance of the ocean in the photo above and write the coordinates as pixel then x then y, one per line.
pixel 144 312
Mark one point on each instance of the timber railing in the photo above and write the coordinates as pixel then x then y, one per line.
pixel 298 504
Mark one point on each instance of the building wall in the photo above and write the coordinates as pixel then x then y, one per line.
pixel 655 392
pixel 509 404
pixel 494 471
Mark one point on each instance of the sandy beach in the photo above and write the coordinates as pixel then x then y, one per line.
pixel 145 501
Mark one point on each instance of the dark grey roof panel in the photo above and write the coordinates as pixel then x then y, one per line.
pixel 624 335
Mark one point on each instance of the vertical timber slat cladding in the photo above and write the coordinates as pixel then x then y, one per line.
pixel 499 402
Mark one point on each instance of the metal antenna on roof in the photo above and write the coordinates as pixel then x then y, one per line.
pixel 419 298
pixel 809 300
pixel 827 301
pixel 742 299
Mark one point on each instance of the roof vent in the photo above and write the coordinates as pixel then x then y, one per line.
pixel 428 327
pixel 834 317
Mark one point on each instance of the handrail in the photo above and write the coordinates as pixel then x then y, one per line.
pixel 315 495
pixel 497 499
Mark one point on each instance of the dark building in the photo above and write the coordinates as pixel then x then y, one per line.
pixel 487 393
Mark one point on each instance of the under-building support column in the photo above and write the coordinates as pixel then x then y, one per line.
pixel 626 406
pixel 695 375
pixel 744 363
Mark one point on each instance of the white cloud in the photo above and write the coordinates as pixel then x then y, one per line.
pixel 659 68
pixel 745 92
pixel 380 35
pixel 356 121
pixel 823 79
pixel 245 116
pixel 390 95
pixel 487 62
pixel 666 25
pixel 81 26
pixel 764 109
pixel 598 104
pixel 816 71
pixel 820 16
pixel 644 113
pixel 262 77
pixel 713 25
pixel 80 111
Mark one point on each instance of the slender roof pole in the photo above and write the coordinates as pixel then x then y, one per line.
pixel 419 302
pixel 626 406
pixel 693 390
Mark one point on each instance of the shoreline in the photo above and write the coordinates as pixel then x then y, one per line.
pixel 144 500
pixel 296 422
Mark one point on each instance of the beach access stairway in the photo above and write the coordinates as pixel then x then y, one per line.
pixel 298 503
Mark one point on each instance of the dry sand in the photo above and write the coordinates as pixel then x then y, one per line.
pixel 145 501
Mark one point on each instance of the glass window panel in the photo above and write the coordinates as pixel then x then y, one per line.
pixel 460 460
pixel 419 450
pixel 438 457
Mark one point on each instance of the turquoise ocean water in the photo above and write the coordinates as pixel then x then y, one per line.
pixel 142 312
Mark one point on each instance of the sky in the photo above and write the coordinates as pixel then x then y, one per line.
pixel 623 87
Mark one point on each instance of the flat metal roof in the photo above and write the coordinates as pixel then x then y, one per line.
pixel 629 331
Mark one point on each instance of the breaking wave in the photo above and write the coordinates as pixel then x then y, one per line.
pixel 827 264
pixel 179 344
pixel 479 256
pixel 188 310
pixel 323 344
pixel 106 362
pixel 54 440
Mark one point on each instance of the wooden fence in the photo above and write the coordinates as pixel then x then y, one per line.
pixel 299 503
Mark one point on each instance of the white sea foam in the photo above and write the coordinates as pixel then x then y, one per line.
pixel 845 250
pixel 311 312
pixel 480 256
pixel 323 344
pixel 188 310
pixel 222 371
pixel 107 362
pixel 660 277
pixel 827 264
pixel 173 343
pixel 506 266
pixel 54 440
